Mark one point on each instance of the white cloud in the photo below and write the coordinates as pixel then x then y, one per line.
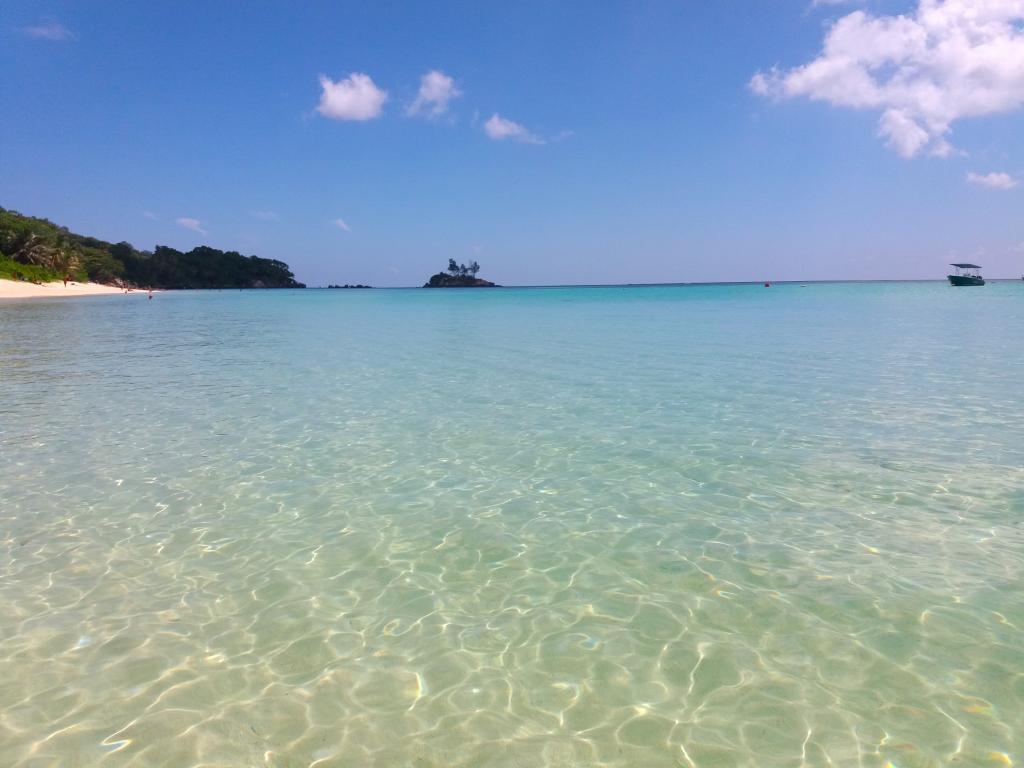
pixel 902 133
pixel 266 215
pixel 436 90
pixel 48 30
pixel 149 215
pixel 193 224
pixel 995 180
pixel 499 129
pixel 354 98
pixel 948 60
pixel 340 224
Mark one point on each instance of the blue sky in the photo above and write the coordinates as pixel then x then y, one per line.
pixel 580 142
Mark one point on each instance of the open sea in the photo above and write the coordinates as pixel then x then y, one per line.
pixel 702 526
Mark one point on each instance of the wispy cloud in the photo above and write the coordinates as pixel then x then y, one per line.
pixel 500 128
pixel 340 224
pixel 266 215
pixel 194 224
pixel 436 90
pixel 355 98
pixel 995 180
pixel 47 30
pixel 149 215
pixel 922 71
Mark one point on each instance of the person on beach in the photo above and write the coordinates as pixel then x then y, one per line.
pixel 150 294
pixel 66 280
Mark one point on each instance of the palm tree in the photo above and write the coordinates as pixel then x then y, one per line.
pixel 56 254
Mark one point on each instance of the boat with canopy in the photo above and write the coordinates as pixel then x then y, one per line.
pixel 966 274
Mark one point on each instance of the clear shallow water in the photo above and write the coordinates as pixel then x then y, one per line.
pixel 707 526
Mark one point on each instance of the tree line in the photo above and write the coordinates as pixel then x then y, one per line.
pixel 40 251
pixel 461 270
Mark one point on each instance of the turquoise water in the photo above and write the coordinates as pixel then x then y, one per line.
pixel 678 526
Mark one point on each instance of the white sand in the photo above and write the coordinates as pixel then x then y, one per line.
pixel 13 289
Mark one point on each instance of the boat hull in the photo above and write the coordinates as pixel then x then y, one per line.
pixel 965 280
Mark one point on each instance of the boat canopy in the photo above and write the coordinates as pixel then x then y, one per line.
pixel 965 266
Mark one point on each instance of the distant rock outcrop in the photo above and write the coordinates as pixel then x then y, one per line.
pixel 459 276
pixel 444 280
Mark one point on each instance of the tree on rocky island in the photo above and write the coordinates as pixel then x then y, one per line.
pixel 459 276
pixel 462 270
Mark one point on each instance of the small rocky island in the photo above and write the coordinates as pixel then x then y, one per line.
pixel 459 276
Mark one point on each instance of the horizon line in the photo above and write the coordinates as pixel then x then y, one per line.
pixel 677 284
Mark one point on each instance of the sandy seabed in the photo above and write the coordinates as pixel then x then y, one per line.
pixel 14 289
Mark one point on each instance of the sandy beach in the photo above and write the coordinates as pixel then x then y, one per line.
pixel 14 289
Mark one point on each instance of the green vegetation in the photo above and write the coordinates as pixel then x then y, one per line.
pixel 40 251
pixel 14 270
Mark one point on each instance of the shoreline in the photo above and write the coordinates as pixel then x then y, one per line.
pixel 16 289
